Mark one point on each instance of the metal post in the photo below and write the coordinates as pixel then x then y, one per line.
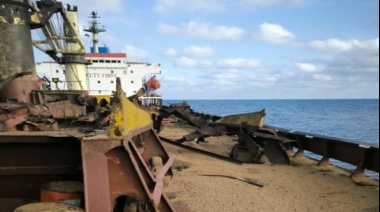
pixel 16 51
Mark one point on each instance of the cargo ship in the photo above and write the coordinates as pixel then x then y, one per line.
pixel 102 69
pixel 63 147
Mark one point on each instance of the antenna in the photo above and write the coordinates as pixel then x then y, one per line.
pixel 94 28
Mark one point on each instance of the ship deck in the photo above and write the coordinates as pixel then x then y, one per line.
pixel 301 186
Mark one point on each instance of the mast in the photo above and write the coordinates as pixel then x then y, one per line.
pixel 94 28
pixel 74 59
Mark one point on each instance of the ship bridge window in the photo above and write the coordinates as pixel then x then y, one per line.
pixel 108 61
pixel 113 61
pixel 95 61
pixel 101 61
pixel 119 61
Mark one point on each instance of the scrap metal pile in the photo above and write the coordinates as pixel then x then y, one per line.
pixel 108 147
pixel 116 165
pixel 254 140
pixel 53 110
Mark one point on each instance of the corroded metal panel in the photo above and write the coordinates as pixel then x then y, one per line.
pixel 126 116
pixel 115 169
pixel 16 51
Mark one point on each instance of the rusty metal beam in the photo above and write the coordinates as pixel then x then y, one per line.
pixel 114 168
pixel 362 155
pixel 207 153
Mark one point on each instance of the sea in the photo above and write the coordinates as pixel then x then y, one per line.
pixel 352 119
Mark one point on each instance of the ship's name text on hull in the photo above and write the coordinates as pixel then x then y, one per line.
pixel 101 75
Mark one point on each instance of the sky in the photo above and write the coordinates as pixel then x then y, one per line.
pixel 246 49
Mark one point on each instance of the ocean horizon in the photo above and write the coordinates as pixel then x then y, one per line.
pixel 339 117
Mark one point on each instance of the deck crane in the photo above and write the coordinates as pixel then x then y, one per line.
pixel 60 135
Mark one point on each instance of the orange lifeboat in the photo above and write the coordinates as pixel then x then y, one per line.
pixel 153 83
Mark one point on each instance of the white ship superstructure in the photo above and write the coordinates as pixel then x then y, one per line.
pixel 102 72
pixel 102 69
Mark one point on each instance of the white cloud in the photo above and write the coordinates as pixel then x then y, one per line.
pixel 275 34
pixel 265 78
pixel 171 52
pixel 203 31
pixel 269 78
pixel 169 6
pixel 351 62
pixel 97 5
pixel 199 51
pixel 225 80
pixel 307 67
pixel 353 45
pixel 259 82
pixel 168 29
pixel 174 79
pixel 228 74
pixel 238 63
pixel 322 77
pixel 185 62
pixel 135 53
pixel 176 82
pixel 176 6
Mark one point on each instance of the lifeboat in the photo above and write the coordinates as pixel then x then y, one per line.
pixel 153 83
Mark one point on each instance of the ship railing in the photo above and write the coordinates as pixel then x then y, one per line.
pixel 363 156
pixel 151 100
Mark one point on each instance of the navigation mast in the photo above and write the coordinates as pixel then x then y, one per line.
pixel 94 28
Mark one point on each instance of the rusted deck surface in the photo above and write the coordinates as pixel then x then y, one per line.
pixel 301 186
